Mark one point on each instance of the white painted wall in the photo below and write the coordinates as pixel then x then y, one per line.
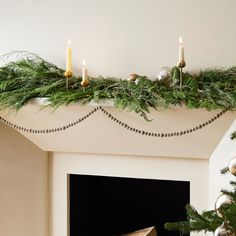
pixel 23 186
pixel 62 164
pixel 225 151
pixel 119 37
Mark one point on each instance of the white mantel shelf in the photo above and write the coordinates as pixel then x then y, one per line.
pixel 98 134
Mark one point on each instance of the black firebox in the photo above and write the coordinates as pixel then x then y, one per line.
pixel 109 206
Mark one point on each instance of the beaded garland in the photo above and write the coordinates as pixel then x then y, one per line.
pixel 117 121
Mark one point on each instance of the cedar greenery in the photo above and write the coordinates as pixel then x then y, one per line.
pixel 30 76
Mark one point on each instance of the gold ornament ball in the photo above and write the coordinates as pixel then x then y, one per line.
pixel 232 166
pixel 133 77
pixel 68 74
pixel 85 83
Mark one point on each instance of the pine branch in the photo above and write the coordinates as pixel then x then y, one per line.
pixel 224 170
pixel 207 221
pixel 210 220
pixel 233 135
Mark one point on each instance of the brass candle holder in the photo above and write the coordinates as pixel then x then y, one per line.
pixel 85 82
pixel 68 75
pixel 181 65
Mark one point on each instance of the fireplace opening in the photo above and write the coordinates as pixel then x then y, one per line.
pixel 111 206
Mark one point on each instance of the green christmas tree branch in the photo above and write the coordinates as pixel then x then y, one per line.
pixel 233 135
pixel 209 221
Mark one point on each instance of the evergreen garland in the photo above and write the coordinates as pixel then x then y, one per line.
pixel 30 76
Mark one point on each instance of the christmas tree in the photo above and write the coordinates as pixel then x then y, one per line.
pixel 221 220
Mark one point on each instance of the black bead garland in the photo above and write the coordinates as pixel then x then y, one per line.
pixel 47 131
pixel 109 115
pixel 163 135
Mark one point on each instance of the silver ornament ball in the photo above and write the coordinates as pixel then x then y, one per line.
pixel 220 231
pixel 164 74
pixel 232 166
pixel 222 200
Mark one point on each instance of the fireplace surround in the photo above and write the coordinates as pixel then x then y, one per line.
pixel 61 165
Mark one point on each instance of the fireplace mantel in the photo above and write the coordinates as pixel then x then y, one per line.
pixel 99 134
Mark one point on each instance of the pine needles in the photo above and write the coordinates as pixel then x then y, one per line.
pixel 209 220
pixel 30 76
